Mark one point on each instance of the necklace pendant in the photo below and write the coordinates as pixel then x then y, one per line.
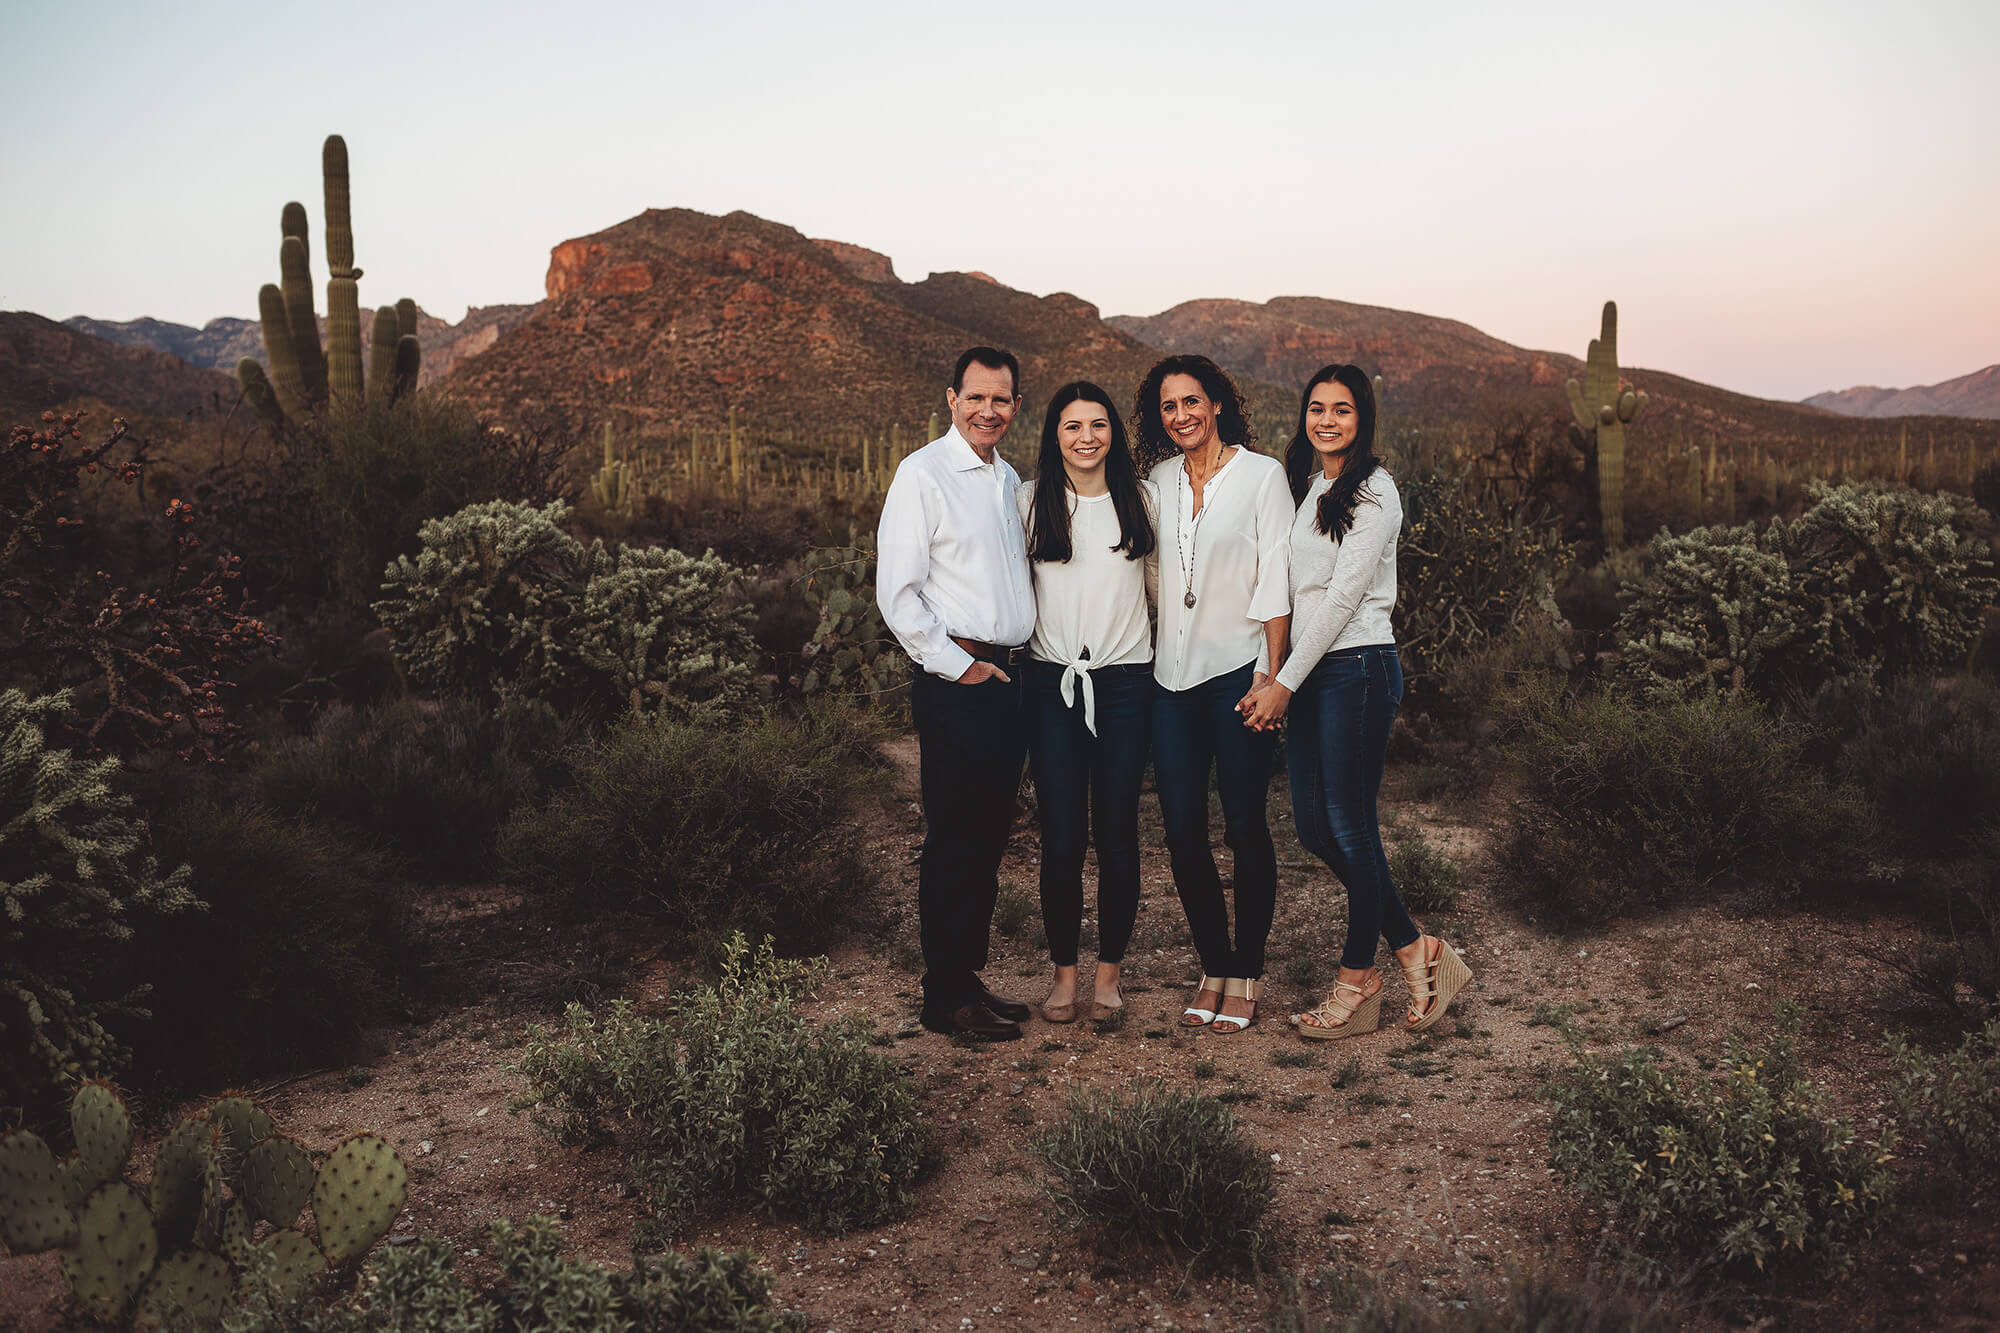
pixel 1188 601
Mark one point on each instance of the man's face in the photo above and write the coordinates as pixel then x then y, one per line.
pixel 984 406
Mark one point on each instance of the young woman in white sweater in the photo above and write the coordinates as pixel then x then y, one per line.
pixel 1089 688
pixel 1341 686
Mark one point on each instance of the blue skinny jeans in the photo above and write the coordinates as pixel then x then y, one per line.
pixel 1336 743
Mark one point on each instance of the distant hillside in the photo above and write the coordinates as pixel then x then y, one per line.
pixel 44 366
pixel 1974 395
pixel 675 317
pixel 221 343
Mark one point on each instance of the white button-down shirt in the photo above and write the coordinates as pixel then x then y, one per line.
pixel 1240 554
pixel 950 556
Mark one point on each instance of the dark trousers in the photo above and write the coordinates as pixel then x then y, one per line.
pixel 971 742
pixel 1195 730
pixel 1335 747
pixel 1087 787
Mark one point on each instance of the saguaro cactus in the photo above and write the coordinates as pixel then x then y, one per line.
pixel 343 281
pixel 1603 408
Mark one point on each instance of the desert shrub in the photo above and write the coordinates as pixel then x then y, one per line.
pixel 1159 1164
pixel 503 602
pixel 1871 582
pixel 851 651
pixel 753 530
pixel 1535 1302
pixel 1628 803
pixel 417 1289
pixel 1951 1102
pixel 77 883
pixel 1745 1166
pixel 715 829
pixel 1986 488
pixel 372 475
pixel 430 783
pixel 147 666
pixel 736 1094
pixel 1426 876
pixel 1928 755
pixel 1470 567
pixel 302 945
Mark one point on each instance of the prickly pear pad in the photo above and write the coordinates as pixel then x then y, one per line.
pixel 34 1214
pixel 103 1130
pixel 114 1251
pixel 193 1284
pixel 278 1180
pixel 359 1191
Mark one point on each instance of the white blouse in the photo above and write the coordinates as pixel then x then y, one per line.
pixel 1090 611
pixel 1343 591
pixel 1237 554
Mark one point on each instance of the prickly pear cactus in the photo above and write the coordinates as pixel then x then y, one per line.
pixel 114 1251
pixel 294 1259
pixel 191 1285
pixel 1603 410
pixel 278 1180
pixel 180 1179
pixel 102 1128
pixel 35 1214
pixel 360 1189
pixel 851 650
pixel 244 1125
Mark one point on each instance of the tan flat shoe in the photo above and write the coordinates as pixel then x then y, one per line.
pixel 1434 983
pixel 1243 988
pixel 1100 1012
pixel 1059 1013
pixel 1338 1016
pixel 1194 1016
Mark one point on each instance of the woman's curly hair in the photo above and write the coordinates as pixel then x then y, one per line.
pixel 1232 420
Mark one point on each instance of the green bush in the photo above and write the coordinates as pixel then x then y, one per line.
pixel 716 829
pixel 737 1094
pixel 1631 803
pixel 302 946
pixel 851 650
pixel 76 884
pixel 1159 1164
pixel 1745 1166
pixel 1426 876
pixel 373 475
pixel 1871 582
pixel 430 783
pixel 1928 755
pixel 417 1289
pixel 1952 1102
pixel 502 601
pixel 1531 1303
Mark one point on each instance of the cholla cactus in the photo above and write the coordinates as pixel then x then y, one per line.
pixel 74 879
pixel 1871 582
pixel 180 1247
pixel 1603 409
pixel 501 602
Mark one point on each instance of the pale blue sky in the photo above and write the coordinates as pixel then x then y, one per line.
pixel 1782 198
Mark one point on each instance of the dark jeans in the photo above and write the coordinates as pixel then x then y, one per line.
pixel 1335 747
pixel 1088 787
pixel 1194 730
pixel 971 745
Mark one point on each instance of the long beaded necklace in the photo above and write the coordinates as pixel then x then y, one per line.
pixel 1185 554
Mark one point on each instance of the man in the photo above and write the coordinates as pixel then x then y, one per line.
pixel 952 582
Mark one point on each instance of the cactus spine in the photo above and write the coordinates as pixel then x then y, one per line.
pixel 1603 410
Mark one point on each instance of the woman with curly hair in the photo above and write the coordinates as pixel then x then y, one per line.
pixel 1225 603
pixel 1089 688
pixel 1342 684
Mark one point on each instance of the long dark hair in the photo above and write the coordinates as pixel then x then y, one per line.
pixel 1232 422
pixel 1336 507
pixel 1048 538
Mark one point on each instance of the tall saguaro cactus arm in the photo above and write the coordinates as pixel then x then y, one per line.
pixel 343 283
pixel 1603 409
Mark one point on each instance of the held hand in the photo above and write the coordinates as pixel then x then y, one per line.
pixel 980 672
pixel 1257 682
pixel 1267 707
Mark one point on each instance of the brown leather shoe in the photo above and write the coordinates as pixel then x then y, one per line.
pixel 1012 1010
pixel 973 1020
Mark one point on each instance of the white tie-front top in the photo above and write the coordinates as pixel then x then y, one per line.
pixel 950 556
pixel 1090 611
pixel 1343 591
pixel 1237 550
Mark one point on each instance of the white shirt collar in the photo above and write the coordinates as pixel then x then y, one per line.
pixel 964 458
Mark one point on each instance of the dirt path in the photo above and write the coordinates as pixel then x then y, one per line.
pixel 1423 1160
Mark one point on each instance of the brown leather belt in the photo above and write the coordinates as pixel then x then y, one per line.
pixel 992 652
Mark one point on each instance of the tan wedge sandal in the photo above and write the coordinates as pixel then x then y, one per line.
pixel 1433 985
pixel 1194 1016
pixel 1339 1016
pixel 1243 988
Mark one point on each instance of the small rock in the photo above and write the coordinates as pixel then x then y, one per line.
pixel 481 1112
pixel 1016 1089
pixel 424 1148
pixel 1024 1260
pixel 403 1238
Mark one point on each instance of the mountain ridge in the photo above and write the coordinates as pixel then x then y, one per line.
pixel 1973 395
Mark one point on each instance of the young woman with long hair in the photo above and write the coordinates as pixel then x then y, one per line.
pixel 1091 548
pixel 1225 516
pixel 1342 685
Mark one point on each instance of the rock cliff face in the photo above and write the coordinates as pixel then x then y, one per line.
pixel 1974 395
pixel 44 365
pixel 676 317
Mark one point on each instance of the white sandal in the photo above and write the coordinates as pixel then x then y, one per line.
pixel 1202 1017
pixel 1243 988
